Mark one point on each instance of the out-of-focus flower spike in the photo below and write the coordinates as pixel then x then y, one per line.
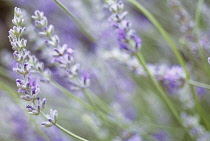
pixel 127 38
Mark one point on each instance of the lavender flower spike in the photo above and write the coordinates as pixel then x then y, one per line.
pixel 62 54
pixel 127 38
pixel 25 64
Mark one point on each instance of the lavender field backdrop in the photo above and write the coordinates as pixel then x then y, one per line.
pixel 104 70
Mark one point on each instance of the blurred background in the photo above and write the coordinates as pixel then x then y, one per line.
pixel 131 95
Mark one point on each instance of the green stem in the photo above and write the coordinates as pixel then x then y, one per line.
pixel 158 86
pixel 177 54
pixel 91 107
pixel 101 114
pixel 161 91
pixel 80 25
pixel 70 133
pixel 198 13
pixel 99 102
pixel 68 93
pixel 199 84
pixel 89 99
pixel 5 87
pixel 65 130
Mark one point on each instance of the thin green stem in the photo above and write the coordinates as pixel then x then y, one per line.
pixel 177 54
pixel 199 84
pixel 92 107
pixel 89 99
pixel 5 87
pixel 99 102
pixel 70 133
pixel 198 13
pixel 161 91
pixel 101 114
pixel 158 86
pixel 65 130
pixel 80 25
pixel 68 93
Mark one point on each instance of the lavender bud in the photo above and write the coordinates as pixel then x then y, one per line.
pixel 40 66
pixel 119 17
pixel 17 30
pixel 86 80
pixel 47 73
pixel 48 31
pixel 53 115
pixel 18 21
pixel 19 44
pixel 42 23
pixel 73 71
pixel 34 112
pixel 46 124
pixel 38 15
pixel 22 69
pixel 60 51
pixel 17 12
pixel 26 97
pixel 43 103
pixel 117 7
pixel 209 60
pixel 54 41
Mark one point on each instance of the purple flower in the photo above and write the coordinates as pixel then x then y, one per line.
pixel 135 137
pixel 174 78
pixel 127 38
pixel 200 91
pixel 161 136
pixel 25 63
pixel 62 54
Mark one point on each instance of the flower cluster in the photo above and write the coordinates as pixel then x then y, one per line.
pixel 27 86
pixel 118 104
pixel 187 27
pixel 196 130
pixel 172 78
pixel 61 53
pixel 127 38
pixel 182 16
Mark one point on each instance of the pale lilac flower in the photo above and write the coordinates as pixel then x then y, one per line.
pixel 196 129
pixel 26 64
pixel 161 136
pixel 128 40
pixel 62 54
pixel 135 137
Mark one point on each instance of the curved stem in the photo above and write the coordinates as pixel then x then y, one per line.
pixel 78 23
pixel 68 93
pixel 161 91
pixel 65 130
pixel 198 13
pixel 117 122
pixel 177 54
pixel 70 133
pixel 158 86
